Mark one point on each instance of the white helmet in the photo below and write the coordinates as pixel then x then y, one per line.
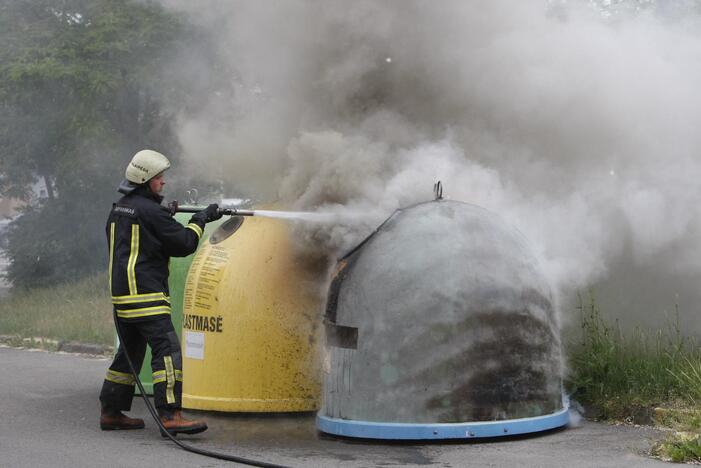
pixel 145 165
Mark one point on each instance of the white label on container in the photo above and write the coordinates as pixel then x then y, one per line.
pixel 194 345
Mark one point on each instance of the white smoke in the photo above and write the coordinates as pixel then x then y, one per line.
pixel 580 129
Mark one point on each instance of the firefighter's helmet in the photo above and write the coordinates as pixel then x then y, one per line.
pixel 145 165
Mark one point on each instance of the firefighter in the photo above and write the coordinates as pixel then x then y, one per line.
pixel 142 236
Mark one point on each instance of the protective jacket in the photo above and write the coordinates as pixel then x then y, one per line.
pixel 142 236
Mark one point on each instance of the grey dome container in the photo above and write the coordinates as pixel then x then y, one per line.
pixel 441 325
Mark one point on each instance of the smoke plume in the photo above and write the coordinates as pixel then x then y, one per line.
pixel 579 128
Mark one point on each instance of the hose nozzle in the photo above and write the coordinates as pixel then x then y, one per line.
pixel 236 212
pixel 174 207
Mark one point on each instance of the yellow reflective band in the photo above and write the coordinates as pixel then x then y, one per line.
pixel 120 374
pixel 196 228
pixel 134 298
pixel 120 377
pixel 170 380
pixel 109 271
pixel 133 254
pixel 143 312
pixel 160 376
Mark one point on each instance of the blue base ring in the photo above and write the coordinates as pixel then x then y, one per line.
pixel 467 430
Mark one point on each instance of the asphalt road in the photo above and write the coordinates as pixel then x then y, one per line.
pixel 49 418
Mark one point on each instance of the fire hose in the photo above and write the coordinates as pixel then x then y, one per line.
pixel 207 453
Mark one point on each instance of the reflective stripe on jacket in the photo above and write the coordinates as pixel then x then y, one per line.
pixel 142 236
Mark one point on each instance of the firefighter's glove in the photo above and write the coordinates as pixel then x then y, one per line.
pixel 212 213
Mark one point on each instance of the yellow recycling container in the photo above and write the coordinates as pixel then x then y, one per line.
pixel 250 323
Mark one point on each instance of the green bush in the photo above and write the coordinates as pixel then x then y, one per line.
pixel 58 242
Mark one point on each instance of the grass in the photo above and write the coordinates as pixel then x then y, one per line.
pixel 622 373
pixel 625 374
pixel 79 311
pixel 680 448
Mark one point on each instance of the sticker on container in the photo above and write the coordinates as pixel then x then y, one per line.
pixel 194 345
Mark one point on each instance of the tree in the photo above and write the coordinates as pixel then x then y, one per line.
pixel 81 87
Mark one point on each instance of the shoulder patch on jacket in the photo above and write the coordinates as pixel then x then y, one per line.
pixel 124 210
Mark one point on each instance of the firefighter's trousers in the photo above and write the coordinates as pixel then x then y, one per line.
pixel 166 363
